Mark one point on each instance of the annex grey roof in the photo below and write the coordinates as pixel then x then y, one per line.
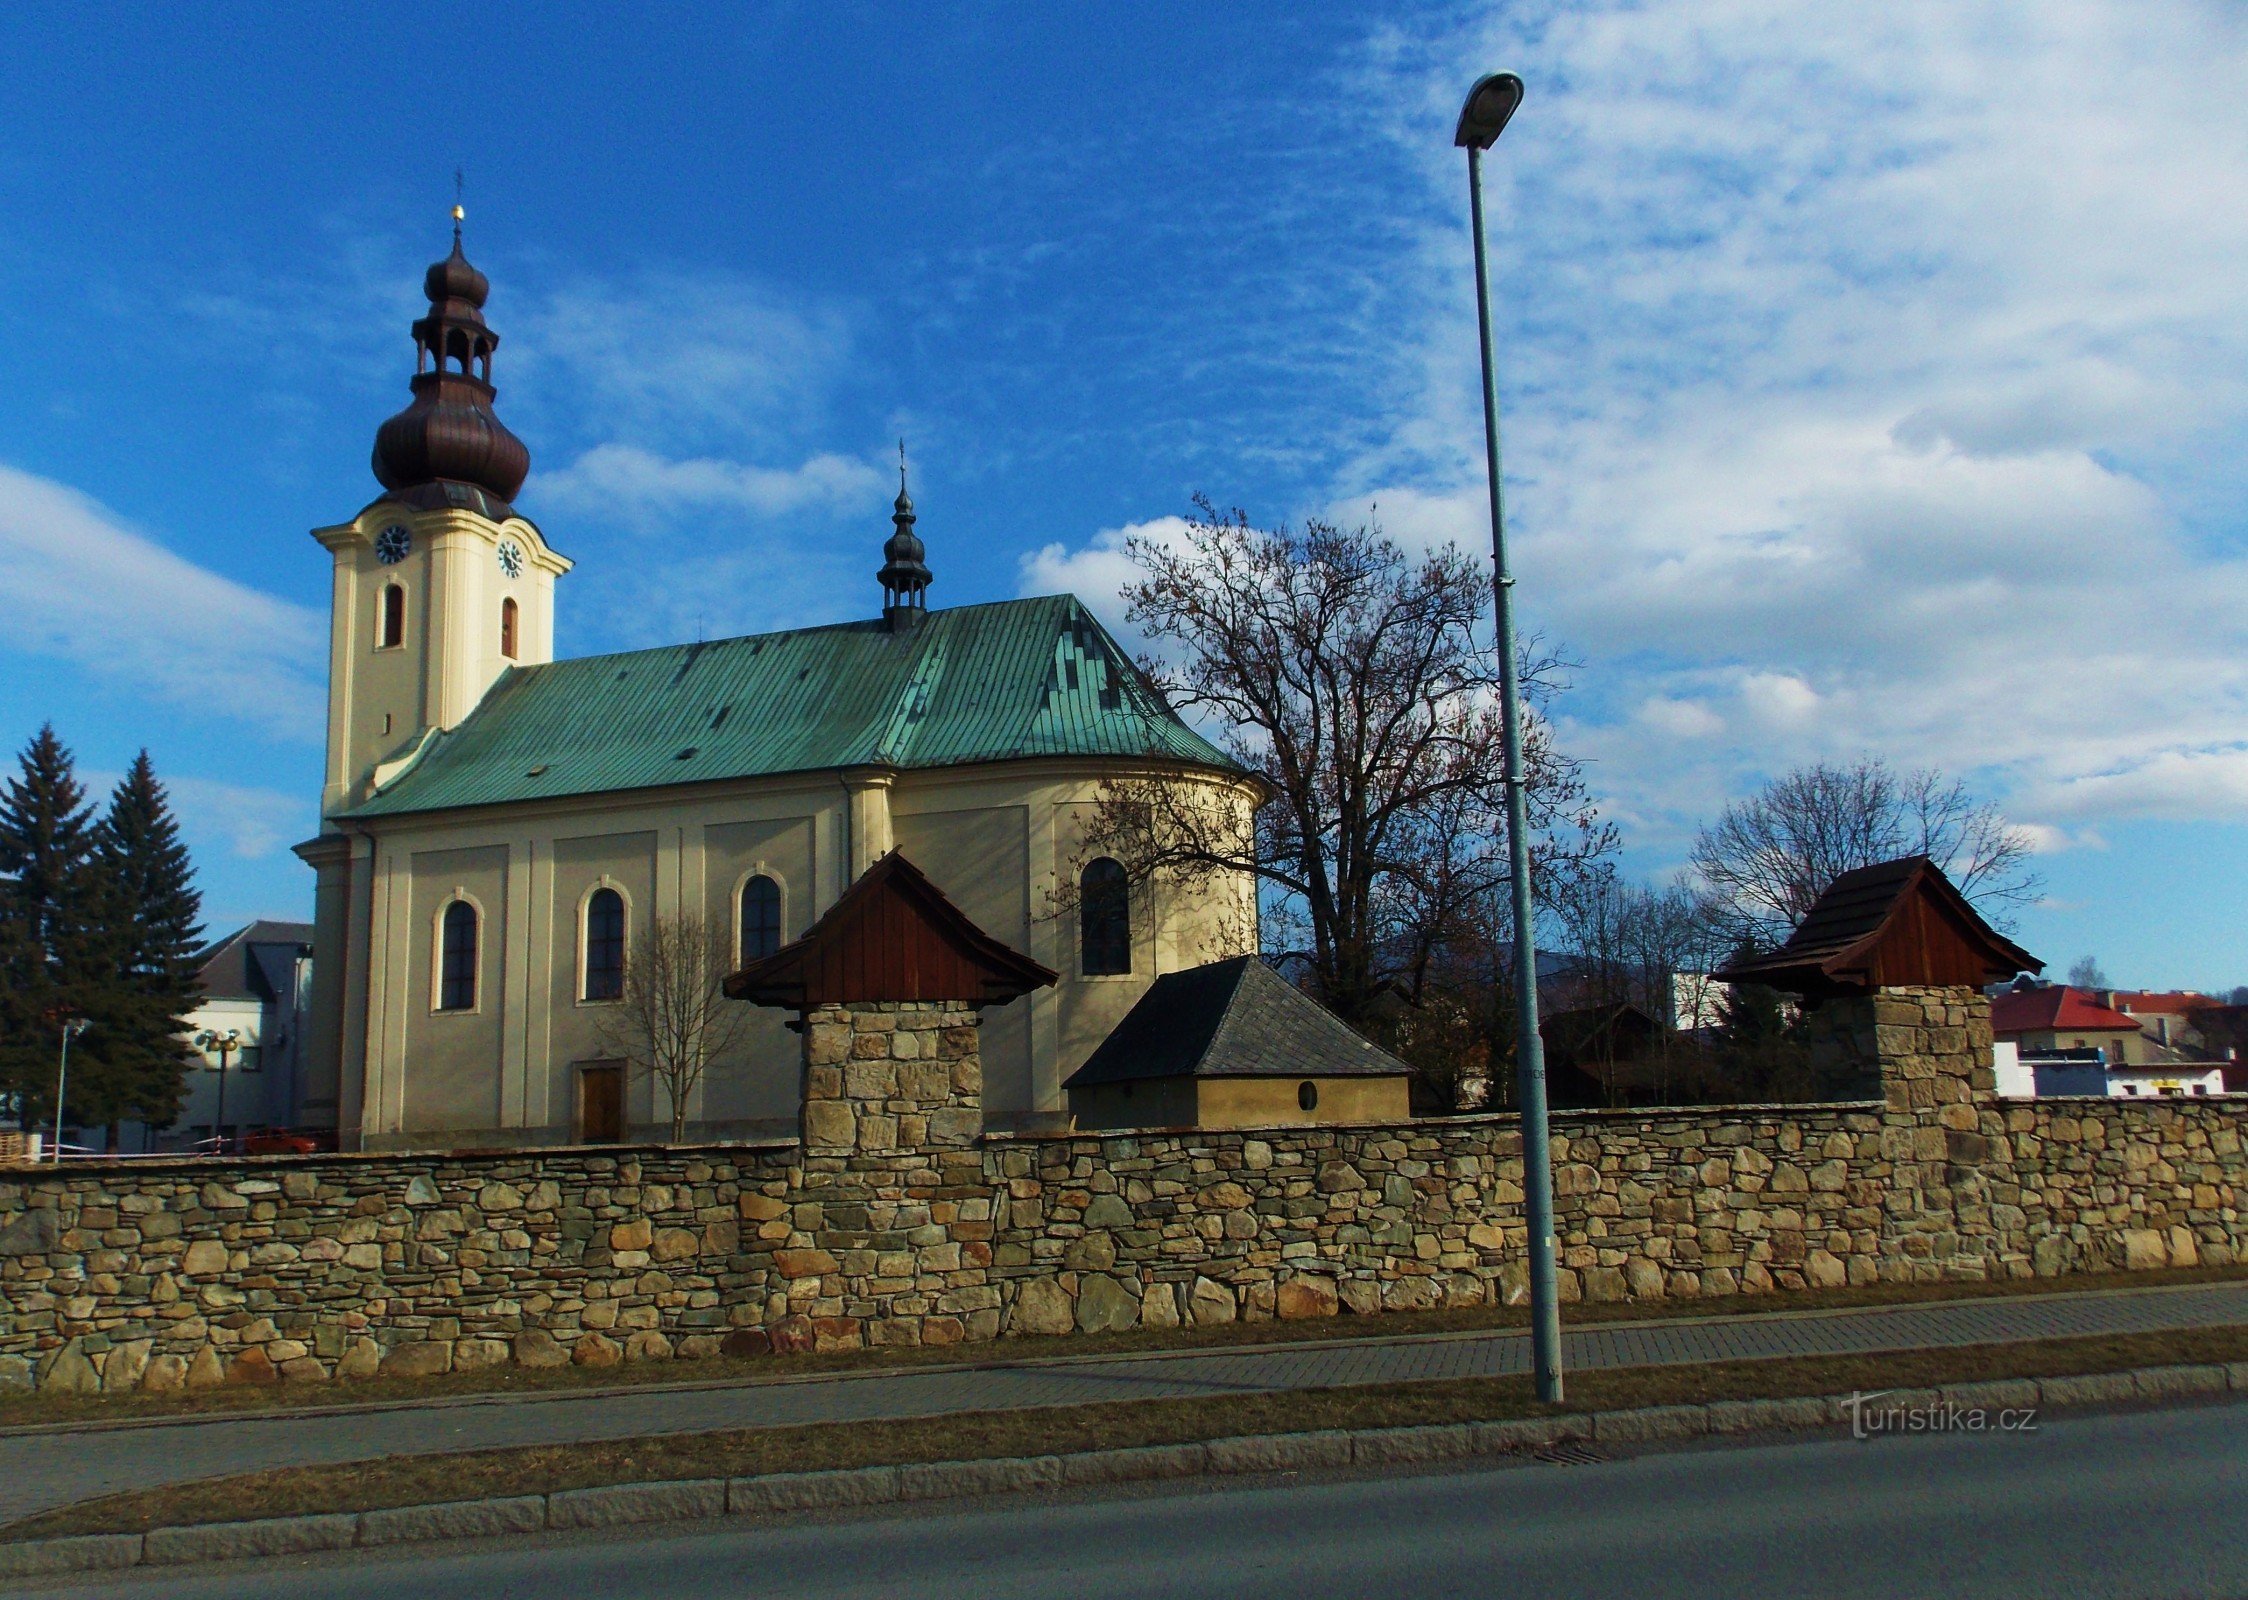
pixel 237 968
pixel 1235 1018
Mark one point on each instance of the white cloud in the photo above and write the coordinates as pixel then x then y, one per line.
pixel 252 823
pixel 644 486
pixel 1874 383
pixel 1098 571
pixel 1679 719
pixel 694 358
pixel 77 584
pixel 1882 363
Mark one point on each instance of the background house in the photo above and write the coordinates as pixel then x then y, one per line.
pixel 257 981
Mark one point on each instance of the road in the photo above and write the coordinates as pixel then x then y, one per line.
pixel 44 1467
pixel 2090 1506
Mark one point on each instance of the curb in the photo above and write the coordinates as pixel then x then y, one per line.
pixel 624 1505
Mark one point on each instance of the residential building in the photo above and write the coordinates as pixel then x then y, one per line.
pixel 257 984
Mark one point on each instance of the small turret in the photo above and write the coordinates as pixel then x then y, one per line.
pixel 904 574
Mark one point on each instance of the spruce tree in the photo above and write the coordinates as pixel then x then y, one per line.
pixel 47 889
pixel 148 940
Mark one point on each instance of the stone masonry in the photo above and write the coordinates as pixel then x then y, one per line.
pixel 895 1220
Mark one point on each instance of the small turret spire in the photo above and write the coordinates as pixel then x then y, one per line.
pixel 905 573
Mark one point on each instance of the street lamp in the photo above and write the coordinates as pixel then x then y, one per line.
pixel 72 1027
pixel 1485 115
pixel 225 1044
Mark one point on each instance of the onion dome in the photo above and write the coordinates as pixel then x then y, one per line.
pixel 447 448
pixel 905 573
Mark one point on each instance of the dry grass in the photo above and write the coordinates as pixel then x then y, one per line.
pixel 34 1409
pixel 540 1469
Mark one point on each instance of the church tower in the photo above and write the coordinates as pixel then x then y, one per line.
pixel 440 585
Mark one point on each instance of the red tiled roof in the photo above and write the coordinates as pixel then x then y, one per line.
pixel 2054 1006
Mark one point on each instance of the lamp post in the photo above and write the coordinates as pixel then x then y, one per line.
pixel 225 1044
pixel 72 1027
pixel 1489 105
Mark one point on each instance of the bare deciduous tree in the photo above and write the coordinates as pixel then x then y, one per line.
pixel 1649 948
pixel 2086 974
pixel 674 1019
pixel 1357 682
pixel 1768 858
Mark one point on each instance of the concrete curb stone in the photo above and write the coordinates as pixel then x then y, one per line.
pixel 2173 1383
pixel 1642 1424
pixel 454 1519
pixel 1993 1394
pixel 2088 1389
pixel 1280 1452
pixel 811 1491
pixel 1138 1463
pixel 626 1504
pixel 85 1552
pixel 946 1480
pixel 237 1541
pixel 636 1502
pixel 1754 1416
pixel 1406 1446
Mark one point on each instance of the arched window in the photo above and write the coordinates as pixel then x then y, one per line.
pixel 1104 919
pixel 761 918
pixel 456 970
pixel 604 945
pixel 392 633
pixel 507 629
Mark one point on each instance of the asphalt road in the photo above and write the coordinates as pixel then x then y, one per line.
pixel 2145 1504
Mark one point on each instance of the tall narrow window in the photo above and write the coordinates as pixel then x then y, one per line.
pixel 507 629
pixel 604 945
pixel 456 970
pixel 1104 919
pixel 393 630
pixel 761 918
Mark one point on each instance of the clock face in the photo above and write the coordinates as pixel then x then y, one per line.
pixel 511 558
pixel 393 545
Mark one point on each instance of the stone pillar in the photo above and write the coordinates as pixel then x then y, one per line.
pixel 1943 1137
pixel 887 1076
pixel 895 1215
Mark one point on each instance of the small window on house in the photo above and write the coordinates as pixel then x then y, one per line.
pixel 761 918
pixel 1104 919
pixel 604 945
pixel 1307 1095
pixel 456 970
pixel 507 629
pixel 392 632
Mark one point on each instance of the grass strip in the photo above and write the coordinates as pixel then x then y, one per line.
pixel 37 1409
pixel 545 1469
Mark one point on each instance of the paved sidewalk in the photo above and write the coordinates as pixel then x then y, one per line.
pixel 46 1467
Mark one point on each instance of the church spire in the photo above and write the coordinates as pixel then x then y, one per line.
pixel 905 573
pixel 447 448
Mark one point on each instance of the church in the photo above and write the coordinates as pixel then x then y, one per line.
pixel 501 830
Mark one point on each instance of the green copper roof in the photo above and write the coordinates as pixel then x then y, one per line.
pixel 976 683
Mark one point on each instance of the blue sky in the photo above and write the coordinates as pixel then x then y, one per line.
pixel 1877 378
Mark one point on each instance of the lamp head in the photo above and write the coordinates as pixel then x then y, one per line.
pixel 74 1027
pixel 1489 106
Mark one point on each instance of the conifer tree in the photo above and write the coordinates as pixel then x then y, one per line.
pixel 149 934
pixel 47 887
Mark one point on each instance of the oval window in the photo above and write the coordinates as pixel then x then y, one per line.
pixel 1307 1095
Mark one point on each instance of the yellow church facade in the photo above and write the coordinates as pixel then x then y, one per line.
pixel 501 830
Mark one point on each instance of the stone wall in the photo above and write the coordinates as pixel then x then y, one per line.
pixel 895 1221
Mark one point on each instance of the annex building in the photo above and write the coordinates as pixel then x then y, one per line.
pixel 501 829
